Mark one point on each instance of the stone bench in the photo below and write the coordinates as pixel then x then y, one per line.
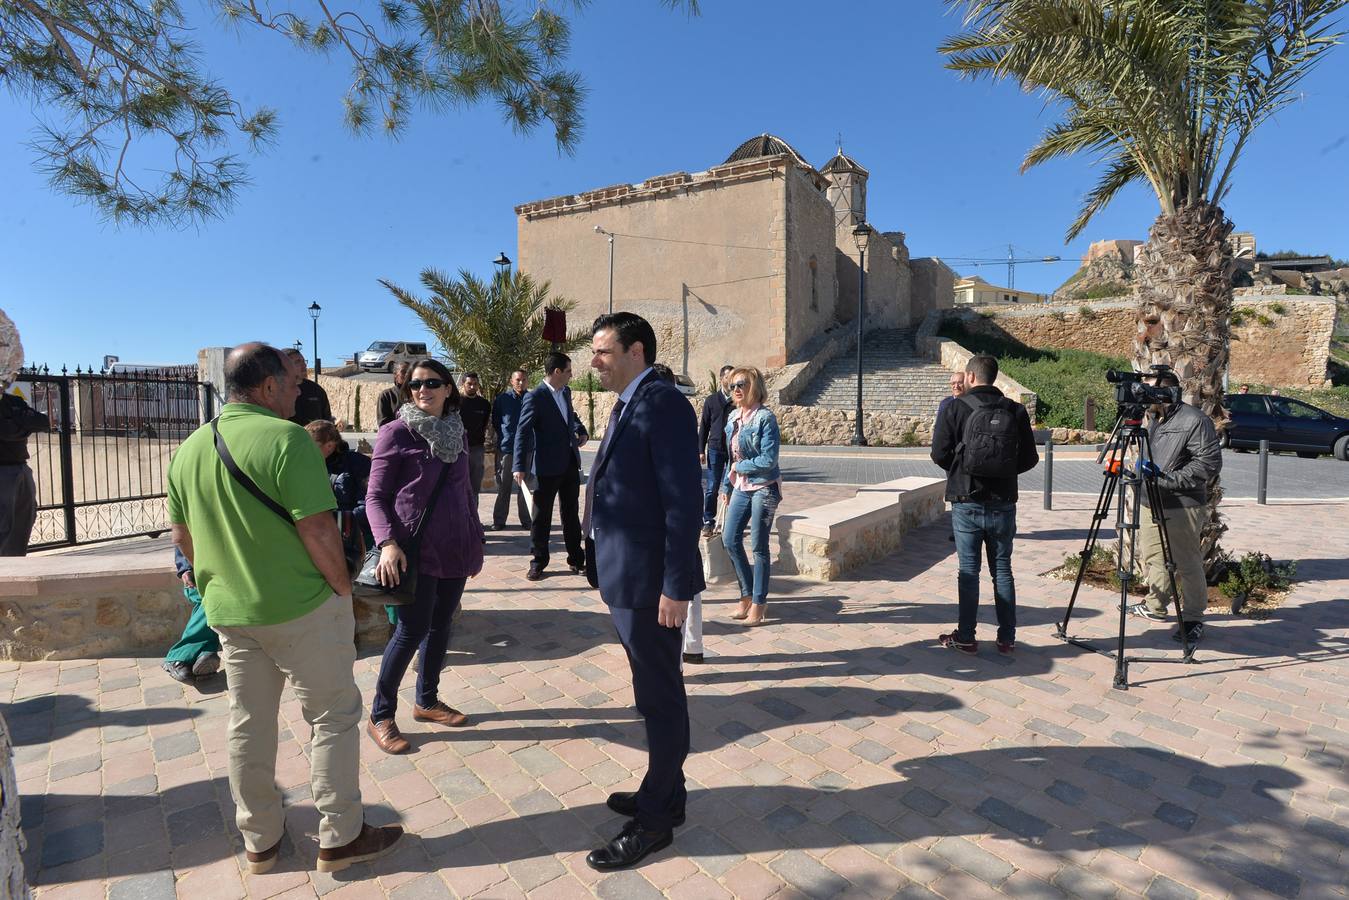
pixel 122 600
pixel 824 543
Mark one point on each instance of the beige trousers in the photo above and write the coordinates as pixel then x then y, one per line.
pixel 315 653
pixel 1183 525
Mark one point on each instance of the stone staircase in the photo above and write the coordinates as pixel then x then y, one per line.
pixel 895 378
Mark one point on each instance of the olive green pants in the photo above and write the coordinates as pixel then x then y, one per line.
pixel 1183 524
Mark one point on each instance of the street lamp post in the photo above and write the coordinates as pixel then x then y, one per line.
pixel 314 310
pixel 610 236
pixel 502 262
pixel 862 236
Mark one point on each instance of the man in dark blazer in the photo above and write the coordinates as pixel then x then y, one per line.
pixel 643 514
pixel 553 435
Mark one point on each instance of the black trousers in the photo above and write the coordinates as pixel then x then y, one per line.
pixel 505 487
pixel 566 489
pixel 658 687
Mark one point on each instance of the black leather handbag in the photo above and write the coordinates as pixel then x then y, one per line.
pixel 366 584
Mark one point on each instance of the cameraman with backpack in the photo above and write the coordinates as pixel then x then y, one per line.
pixel 984 441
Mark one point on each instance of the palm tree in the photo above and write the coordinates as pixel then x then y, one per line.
pixel 1167 92
pixel 492 328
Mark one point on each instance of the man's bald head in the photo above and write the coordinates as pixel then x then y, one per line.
pixel 257 373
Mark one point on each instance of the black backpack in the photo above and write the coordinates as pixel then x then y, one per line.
pixel 990 441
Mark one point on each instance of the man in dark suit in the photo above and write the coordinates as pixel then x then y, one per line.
pixel 553 435
pixel 505 423
pixel 643 514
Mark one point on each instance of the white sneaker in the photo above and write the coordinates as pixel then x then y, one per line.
pixel 207 664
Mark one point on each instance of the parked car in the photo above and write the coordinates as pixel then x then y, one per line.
pixel 685 385
pixel 384 355
pixel 1287 424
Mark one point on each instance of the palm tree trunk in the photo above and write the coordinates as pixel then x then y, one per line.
pixel 1184 284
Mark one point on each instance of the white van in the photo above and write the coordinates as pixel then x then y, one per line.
pixel 384 355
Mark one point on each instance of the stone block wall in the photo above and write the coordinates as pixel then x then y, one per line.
pixel 354 402
pixel 12 843
pixel 1292 350
pixel 57 607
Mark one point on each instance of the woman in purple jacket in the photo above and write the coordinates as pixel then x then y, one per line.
pixel 411 452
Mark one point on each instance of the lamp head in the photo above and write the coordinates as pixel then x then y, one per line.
pixel 314 310
pixel 862 236
pixel 502 260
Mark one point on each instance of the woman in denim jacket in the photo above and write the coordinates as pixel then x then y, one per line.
pixel 752 488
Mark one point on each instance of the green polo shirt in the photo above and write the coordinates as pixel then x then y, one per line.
pixel 250 565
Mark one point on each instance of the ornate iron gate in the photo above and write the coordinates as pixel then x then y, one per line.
pixel 102 469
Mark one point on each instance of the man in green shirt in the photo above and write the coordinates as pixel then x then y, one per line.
pixel 278 594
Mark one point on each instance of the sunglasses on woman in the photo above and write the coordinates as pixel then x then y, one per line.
pixel 739 385
pixel 430 384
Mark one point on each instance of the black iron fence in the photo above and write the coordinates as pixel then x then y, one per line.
pixel 102 468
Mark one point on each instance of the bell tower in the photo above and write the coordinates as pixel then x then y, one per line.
pixel 847 189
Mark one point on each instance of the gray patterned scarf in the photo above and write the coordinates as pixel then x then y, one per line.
pixel 445 434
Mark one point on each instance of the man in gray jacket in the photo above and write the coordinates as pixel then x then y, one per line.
pixel 1185 458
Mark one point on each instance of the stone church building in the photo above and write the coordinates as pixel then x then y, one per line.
pixel 752 261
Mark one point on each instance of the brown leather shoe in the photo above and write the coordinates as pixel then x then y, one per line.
pixel 440 714
pixel 261 863
pixel 371 843
pixel 387 736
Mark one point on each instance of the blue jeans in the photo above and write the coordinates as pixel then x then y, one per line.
pixel 424 624
pixel 989 527
pixel 755 509
pixel 716 470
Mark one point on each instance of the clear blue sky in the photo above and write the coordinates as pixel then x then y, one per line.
pixel 327 214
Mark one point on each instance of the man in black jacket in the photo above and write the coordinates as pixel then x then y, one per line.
pixel 18 493
pixel 712 449
pixel 390 399
pixel 312 404
pixel 983 451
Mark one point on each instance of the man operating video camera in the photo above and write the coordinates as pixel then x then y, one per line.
pixel 1185 457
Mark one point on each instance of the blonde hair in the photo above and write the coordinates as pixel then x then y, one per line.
pixel 756 393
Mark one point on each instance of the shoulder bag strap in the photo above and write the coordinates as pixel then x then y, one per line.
pixel 243 479
pixel 431 504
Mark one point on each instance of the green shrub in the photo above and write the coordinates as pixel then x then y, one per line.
pixel 1105 291
pixel 1086 312
pixel 1239 316
pixel 1264 319
pixel 1277 308
pixel 1256 573
pixel 1061 379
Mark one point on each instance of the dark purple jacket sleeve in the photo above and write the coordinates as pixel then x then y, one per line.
pixel 386 476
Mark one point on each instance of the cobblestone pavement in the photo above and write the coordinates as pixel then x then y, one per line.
pixel 836 751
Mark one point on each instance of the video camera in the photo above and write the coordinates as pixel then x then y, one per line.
pixel 1132 394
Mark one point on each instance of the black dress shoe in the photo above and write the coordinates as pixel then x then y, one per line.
pixel 625 804
pixel 693 658
pixel 633 844
pixel 577 570
pixel 535 572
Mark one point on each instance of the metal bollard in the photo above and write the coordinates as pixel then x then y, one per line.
pixel 1049 472
pixel 1262 479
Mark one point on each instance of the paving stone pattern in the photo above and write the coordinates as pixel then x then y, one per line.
pixel 837 751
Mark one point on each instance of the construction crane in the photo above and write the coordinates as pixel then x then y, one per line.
pixel 1012 261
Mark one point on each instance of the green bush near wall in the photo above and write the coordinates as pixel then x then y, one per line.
pixel 1061 379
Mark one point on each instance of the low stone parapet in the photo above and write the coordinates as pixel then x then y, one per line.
pixel 826 542
pixel 102 602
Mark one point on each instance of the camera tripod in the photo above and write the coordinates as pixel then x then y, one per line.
pixel 1124 488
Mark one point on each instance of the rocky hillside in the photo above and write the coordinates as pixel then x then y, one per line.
pixel 1107 276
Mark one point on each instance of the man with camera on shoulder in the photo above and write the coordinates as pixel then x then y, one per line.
pixel 1186 456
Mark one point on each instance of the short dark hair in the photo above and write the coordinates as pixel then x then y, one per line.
pixel 663 372
pixel 435 365
pixel 468 375
pixel 554 361
pixel 523 372
pixel 983 367
pixel 629 328
pixel 726 368
pixel 247 366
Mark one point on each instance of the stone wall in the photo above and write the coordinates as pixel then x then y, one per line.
pixel 932 286
pixel 1290 351
pixel 812 275
pixel 354 402
pixel 74 606
pixel 12 843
